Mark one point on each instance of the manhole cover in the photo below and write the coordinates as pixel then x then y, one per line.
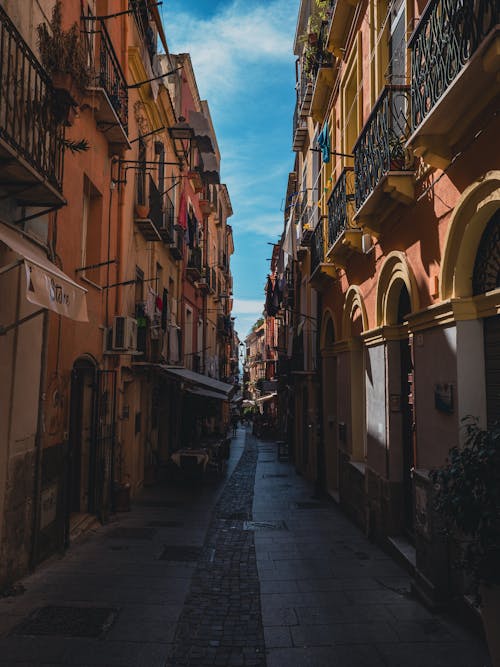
pixel 166 524
pixel 307 505
pixel 68 621
pixel 265 525
pixel 131 533
pixel 274 475
pixel 181 554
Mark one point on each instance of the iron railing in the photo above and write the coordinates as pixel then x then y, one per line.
pixel 155 205
pixel 109 75
pixel 194 259
pixel 141 13
pixel 167 231
pixel 380 147
pixel 341 206
pixel 321 57
pixel 30 117
pixel 317 247
pixel 446 37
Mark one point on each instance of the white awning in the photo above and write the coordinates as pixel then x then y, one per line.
pixel 46 285
pixel 206 393
pixel 200 379
pixel 268 397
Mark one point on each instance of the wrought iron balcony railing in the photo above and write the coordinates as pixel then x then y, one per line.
pixel 167 231
pixel 141 12
pixel 299 129
pixel 447 36
pixel 109 76
pixel 320 56
pixel 317 248
pixel 380 148
pixel 341 206
pixel 30 122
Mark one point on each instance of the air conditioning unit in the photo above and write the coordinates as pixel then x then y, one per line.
pixel 124 334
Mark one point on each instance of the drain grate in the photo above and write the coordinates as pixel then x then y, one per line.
pixel 124 533
pixel 280 475
pixel 181 553
pixel 265 525
pixel 68 621
pixel 267 460
pixel 307 505
pixel 165 524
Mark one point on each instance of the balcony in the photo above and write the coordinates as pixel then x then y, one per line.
pixel 144 24
pixel 299 130
pixel 149 219
pixel 108 91
pixel 340 23
pixel 193 267
pixel 322 72
pixel 343 235
pixel 167 230
pixel 177 246
pixel 304 93
pixel 455 63
pixel 321 271
pixel 31 129
pixel 382 164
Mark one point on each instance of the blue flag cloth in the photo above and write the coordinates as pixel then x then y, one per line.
pixel 324 143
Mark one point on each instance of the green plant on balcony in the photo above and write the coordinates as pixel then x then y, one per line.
pixel 467 496
pixel 63 54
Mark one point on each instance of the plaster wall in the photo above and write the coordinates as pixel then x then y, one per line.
pixel 375 392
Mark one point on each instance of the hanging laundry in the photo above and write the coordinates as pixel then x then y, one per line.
pixel 324 143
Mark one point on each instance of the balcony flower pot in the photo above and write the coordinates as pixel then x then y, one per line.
pixel 64 56
pixel 141 211
pixel 467 496
pixel 312 38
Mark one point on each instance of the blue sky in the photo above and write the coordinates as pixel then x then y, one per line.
pixel 244 65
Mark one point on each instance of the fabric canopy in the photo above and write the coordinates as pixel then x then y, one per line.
pixel 200 379
pixel 46 285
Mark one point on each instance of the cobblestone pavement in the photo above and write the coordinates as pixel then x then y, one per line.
pixel 249 571
pixel 221 622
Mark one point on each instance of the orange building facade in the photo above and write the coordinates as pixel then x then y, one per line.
pixel 393 204
pixel 107 193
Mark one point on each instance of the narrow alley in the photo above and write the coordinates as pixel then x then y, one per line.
pixel 254 570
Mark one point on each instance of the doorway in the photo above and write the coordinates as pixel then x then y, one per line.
pixel 81 437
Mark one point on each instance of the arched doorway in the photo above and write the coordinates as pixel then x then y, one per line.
pixel 485 278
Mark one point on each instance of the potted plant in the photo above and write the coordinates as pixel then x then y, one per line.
pixel 63 54
pixel 467 496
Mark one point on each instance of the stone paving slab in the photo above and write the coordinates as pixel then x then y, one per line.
pixel 316 594
pixel 331 598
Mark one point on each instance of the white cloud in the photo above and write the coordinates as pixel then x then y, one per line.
pixel 223 45
pixel 248 306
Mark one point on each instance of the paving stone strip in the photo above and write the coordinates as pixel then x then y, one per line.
pixel 221 622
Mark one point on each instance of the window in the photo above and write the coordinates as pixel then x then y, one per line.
pixel 91 232
pixel 396 71
pixel 351 109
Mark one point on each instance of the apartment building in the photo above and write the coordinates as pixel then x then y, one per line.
pixel 393 209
